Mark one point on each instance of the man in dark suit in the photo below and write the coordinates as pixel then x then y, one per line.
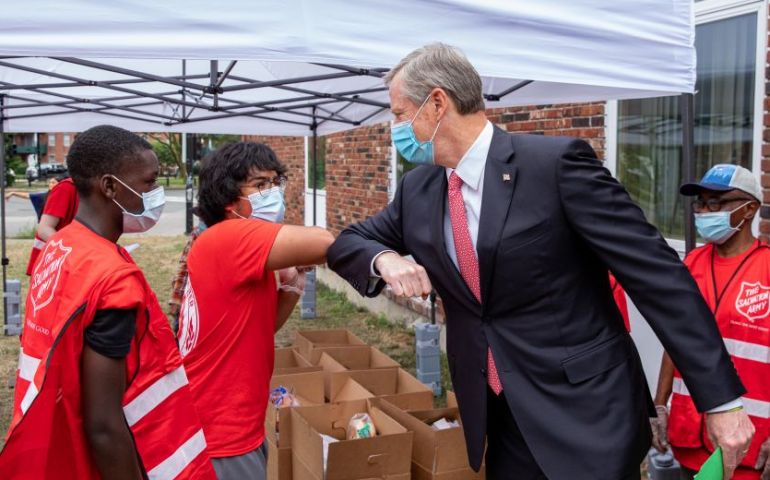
pixel 516 234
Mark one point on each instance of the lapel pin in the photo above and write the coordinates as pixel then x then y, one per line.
pixel 506 177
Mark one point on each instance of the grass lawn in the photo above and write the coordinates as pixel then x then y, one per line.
pixel 157 256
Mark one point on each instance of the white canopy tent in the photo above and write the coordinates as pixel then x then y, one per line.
pixel 301 68
pixel 280 63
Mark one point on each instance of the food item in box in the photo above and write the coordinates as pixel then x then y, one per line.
pixel 281 397
pixel 361 426
pixel 444 424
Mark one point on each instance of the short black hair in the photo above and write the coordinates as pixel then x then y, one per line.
pixel 102 150
pixel 225 170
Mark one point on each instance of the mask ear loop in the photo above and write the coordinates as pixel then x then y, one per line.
pixel 738 227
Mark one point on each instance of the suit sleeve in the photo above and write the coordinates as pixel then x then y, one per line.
pixel 351 255
pixel 600 210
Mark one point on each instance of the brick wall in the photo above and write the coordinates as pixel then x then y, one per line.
pixel 764 224
pixel 584 120
pixel 357 174
pixel 291 152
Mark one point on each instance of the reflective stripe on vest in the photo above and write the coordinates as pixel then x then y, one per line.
pixel 27 367
pixel 755 408
pixel 180 459
pixel 748 351
pixel 154 395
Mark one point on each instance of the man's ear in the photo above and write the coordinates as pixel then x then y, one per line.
pixel 107 186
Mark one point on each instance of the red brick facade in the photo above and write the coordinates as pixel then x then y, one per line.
pixel 357 174
pixel 764 225
pixel 290 151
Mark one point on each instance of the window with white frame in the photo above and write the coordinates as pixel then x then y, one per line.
pixel 51 140
pixel 727 123
pixel 66 140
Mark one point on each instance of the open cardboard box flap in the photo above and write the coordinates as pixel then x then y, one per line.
pixel 395 385
pixel 288 360
pixel 307 340
pixel 356 357
pixel 388 455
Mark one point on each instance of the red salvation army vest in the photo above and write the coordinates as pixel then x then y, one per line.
pixel 46 437
pixel 742 311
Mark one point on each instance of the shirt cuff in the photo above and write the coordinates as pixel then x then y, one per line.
pixel 737 403
pixel 372 271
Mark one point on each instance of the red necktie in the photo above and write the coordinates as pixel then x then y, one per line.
pixel 467 261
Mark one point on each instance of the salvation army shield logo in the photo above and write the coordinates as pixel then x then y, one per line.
pixel 753 301
pixel 45 276
pixel 189 323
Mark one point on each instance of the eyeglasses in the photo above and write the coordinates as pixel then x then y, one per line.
pixel 715 204
pixel 263 184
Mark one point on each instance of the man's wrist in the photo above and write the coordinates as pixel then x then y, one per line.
pixel 373 271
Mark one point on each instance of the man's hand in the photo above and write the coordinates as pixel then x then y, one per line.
pixel 659 426
pixel 763 460
pixel 733 431
pixel 405 277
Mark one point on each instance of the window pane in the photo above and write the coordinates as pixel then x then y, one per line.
pixel 650 135
pixel 51 140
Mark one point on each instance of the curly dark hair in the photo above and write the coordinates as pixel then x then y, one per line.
pixel 225 170
pixel 102 150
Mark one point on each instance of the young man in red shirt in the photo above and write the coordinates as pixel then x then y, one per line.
pixel 232 305
pixel 101 391
pixel 733 273
pixel 59 210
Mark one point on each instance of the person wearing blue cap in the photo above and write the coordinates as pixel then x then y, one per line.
pixel 732 271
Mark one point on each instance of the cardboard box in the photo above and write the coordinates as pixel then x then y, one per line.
pixel 307 340
pixel 288 360
pixel 386 456
pixel 437 454
pixel 345 389
pixel 308 389
pixel 279 462
pixel 355 357
pixel 395 385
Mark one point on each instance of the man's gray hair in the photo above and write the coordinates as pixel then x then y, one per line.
pixel 444 66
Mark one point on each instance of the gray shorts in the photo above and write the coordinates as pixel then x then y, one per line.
pixel 249 466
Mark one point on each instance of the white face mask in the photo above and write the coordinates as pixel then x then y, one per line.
pixel 152 201
pixel 268 205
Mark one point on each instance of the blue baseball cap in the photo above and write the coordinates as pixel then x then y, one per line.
pixel 724 177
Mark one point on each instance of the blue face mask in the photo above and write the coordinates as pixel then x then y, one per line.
pixel 268 205
pixel 406 142
pixel 715 227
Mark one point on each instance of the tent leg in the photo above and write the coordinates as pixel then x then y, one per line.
pixel 2 208
pixel 308 301
pixel 188 186
pixel 687 106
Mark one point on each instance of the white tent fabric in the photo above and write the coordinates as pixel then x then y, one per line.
pixel 575 51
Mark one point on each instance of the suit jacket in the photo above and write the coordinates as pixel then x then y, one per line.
pixel 553 221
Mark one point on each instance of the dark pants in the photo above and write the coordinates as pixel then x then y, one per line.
pixel 508 456
pixel 249 466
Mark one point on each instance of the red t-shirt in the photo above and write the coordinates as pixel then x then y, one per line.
pixel 62 203
pixel 226 328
